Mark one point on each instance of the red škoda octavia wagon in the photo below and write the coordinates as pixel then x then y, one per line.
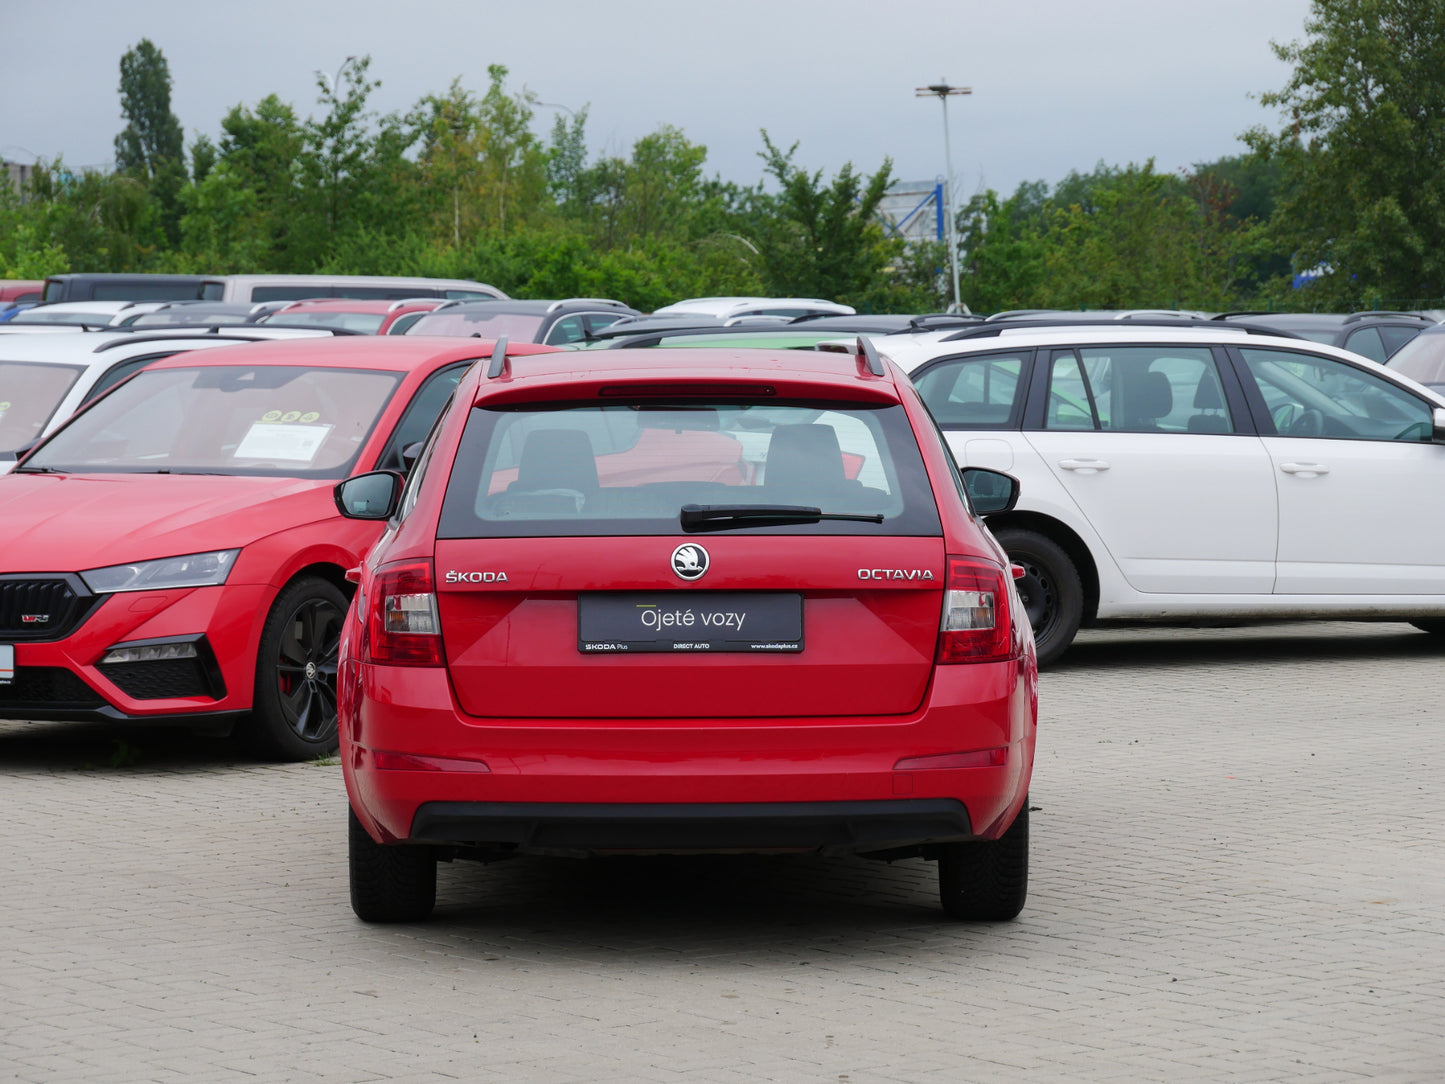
pixel 679 601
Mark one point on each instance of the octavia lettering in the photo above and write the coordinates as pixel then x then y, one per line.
pixel 895 574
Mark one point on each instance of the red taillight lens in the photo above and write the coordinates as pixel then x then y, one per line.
pixel 976 613
pixel 402 624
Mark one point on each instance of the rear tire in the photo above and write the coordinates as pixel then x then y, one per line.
pixel 389 882
pixel 988 880
pixel 1051 590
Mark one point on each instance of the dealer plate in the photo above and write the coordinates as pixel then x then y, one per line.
pixel 690 621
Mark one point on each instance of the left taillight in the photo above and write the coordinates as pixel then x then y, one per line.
pixel 977 617
pixel 403 628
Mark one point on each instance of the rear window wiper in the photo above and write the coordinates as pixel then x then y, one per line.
pixel 725 517
pixel 41 470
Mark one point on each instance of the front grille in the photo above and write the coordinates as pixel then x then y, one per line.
pixel 47 687
pixel 164 679
pixel 42 607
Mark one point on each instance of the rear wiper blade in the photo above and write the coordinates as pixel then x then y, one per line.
pixel 40 470
pixel 725 517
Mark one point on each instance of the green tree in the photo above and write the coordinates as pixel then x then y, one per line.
pixel 1364 109
pixel 150 147
pixel 824 240
pixel 152 135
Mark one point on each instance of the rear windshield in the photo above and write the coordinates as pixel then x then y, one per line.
pixel 234 419
pixel 518 326
pixel 628 468
pixel 29 395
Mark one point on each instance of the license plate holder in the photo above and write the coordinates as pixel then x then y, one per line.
pixel 690 622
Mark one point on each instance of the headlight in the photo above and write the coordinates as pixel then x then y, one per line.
pixel 192 570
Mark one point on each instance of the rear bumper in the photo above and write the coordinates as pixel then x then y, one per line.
pixel 586 785
pixel 581 829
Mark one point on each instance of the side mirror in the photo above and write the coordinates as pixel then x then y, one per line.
pixel 368 496
pixel 1437 425
pixel 991 492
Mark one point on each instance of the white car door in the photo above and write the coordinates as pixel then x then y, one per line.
pixel 1361 488
pixel 1145 442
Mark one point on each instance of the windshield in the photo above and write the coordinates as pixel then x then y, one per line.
pixel 517 326
pixel 629 468
pixel 1422 359
pixel 367 323
pixel 233 419
pixel 29 394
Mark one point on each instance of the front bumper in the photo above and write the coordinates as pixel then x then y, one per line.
pixel 65 680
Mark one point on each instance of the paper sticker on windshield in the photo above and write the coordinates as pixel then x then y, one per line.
pixel 292 443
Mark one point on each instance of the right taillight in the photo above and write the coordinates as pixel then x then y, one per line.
pixel 976 613
pixel 403 627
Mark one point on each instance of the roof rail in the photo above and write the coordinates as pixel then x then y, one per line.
pixel 586 301
pixel 1354 316
pixel 399 302
pixel 498 366
pixel 185 333
pixel 871 359
pixel 993 330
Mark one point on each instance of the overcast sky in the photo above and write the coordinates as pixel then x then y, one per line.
pixel 1058 85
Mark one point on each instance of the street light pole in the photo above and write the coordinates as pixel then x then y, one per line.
pixel 333 80
pixel 942 91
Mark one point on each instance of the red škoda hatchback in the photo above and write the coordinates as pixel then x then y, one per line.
pixel 679 601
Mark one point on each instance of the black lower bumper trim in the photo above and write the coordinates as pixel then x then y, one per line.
pixel 568 828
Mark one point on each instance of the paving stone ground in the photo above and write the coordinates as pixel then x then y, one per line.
pixel 1238 874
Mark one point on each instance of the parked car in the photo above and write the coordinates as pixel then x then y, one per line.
pixel 20 291
pixel 1422 359
pixel 172 553
pixel 685 601
pixel 557 323
pixel 725 308
pixel 110 286
pixel 44 379
pixel 1195 473
pixel 254 288
pixel 1375 335
pixel 361 315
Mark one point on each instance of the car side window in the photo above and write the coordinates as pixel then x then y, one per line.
pixel 569 329
pixel 1312 396
pixel 1367 341
pixel 1396 337
pixel 118 372
pixel 1070 406
pixel 1156 389
pixel 978 392
pixel 423 410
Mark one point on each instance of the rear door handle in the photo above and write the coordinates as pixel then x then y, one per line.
pixel 1310 469
pixel 1084 466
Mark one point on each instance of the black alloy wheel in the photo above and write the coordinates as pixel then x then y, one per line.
pixel 294 715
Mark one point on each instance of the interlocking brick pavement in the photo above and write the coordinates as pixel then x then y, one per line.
pixel 1237 875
